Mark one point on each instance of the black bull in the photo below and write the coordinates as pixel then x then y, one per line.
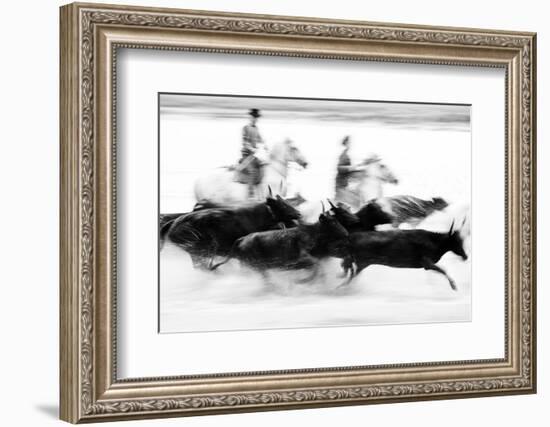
pixel 207 233
pixel 402 249
pixel 365 219
pixel 301 247
pixel 392 210
pixel 207 204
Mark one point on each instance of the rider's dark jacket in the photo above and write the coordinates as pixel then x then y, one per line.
pixel 343 173
pixel 251 139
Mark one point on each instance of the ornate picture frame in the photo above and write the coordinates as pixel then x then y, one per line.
pixel 90 37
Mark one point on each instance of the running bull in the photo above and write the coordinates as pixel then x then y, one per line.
pixel 402 249
pixel 301 247
pixel 207 233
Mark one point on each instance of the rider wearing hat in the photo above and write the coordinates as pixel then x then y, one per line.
pixel 250 166
pixel 251 135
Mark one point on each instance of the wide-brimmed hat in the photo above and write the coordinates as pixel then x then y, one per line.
pixel 254 112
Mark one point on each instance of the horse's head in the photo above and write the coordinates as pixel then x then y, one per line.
pixel 375 168
pixel 387 175
pixel 293 154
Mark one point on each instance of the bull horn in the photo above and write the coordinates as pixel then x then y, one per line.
pixel 270 192
pixel 331 204
pixel 323 206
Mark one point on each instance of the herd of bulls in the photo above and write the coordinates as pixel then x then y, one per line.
pixel 272 235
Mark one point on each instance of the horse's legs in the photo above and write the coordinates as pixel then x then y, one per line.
pixel 269 285
pixel 259 192
pixel 256 192
pixel 251 191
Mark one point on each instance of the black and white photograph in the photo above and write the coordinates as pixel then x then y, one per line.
pixel 279 212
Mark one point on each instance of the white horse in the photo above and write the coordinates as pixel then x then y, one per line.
pixel 367 183
pixel 221 186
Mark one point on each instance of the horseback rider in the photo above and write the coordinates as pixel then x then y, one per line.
pixel 250 169
pixel 346 171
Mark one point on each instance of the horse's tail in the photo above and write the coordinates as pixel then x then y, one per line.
pixel 409 207
pixel 405 207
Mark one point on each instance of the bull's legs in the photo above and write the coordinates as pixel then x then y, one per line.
pixel 267 279
pixel 199 262
pixel 346 282
pixel 345 268
pixel 269 285
pixel 213 251
pixel 306 261
pixel 354 269
pixel 312 276
pixel 429 265
pixel 212 266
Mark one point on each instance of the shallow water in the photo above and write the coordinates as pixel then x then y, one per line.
pixel 237 298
